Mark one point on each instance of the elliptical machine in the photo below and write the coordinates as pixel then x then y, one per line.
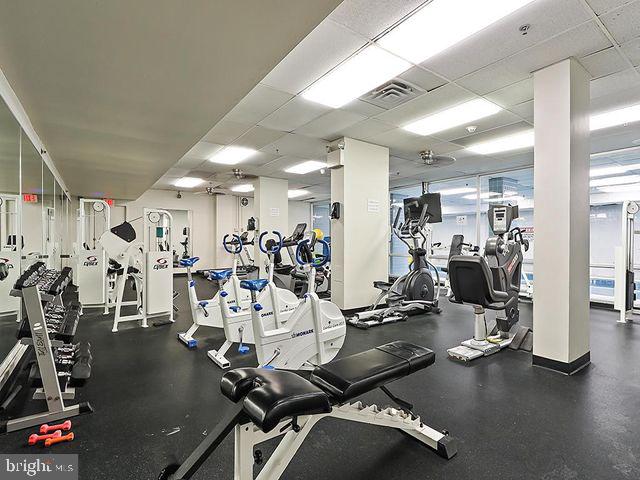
pixel 492 282
pixel 416 291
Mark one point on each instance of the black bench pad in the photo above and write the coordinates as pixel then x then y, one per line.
pixel 356 374
pixel 272 395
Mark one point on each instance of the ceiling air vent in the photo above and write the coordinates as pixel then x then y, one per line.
pixel 393 93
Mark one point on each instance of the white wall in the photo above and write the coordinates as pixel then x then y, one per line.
pixel 203 208
pixel 299 212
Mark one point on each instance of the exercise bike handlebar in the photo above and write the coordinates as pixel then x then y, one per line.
pixel 275 248
pixel 324 258
pixel 228 243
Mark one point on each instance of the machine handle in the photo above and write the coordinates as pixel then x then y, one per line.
pixel 227 244
pixel 273 250
pixel 397 219
pixel 317 262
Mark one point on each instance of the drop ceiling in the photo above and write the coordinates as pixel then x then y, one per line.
pixel 118 91
pixel 497 64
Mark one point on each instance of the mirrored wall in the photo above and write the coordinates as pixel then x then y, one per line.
pixel 34 210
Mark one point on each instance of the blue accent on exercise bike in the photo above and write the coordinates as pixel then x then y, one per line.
pixel 189 262
pixel 254 285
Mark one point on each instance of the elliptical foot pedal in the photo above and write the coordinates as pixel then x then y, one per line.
pixel 464 354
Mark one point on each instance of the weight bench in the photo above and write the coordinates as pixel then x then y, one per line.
pixel 269 403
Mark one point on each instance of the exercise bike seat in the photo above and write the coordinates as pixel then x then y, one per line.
pixel 471 282
pixel 222 274
pixel 189 262
pixel 254 285
pixel 270 396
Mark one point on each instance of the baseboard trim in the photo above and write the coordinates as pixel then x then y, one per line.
pixel 563 367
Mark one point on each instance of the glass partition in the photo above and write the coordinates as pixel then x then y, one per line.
pixel 320 218
pixel 10 251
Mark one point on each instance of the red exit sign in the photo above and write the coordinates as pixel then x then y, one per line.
pixel 30 198
pixel 109 201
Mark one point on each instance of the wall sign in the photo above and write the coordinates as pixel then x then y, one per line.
pixel 244 201
pixel 373 206
pixel 275 212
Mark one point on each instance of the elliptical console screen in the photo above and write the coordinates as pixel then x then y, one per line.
pixel 499 219
pixel 413 207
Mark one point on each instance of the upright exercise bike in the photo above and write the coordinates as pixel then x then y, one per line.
pixel 312 335
pixel 206 313
pixel 416 291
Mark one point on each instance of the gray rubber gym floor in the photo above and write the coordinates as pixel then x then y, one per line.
pixel 154 400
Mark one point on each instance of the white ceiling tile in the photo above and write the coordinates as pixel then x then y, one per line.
pixel 372 17
pixel 294 114
pixel 298 145
pixel 632 51
pixel 624 23
pixel 367 129
pixel 614 83
pixel 604 62
pixel 176 172
pixel 493 77
pixel 491 134
pixel 513 94
pixel 363 108
pixel 617 99
pixel 423 79
pixel 524 110
pixel 324 48
pixel 404 144
pixel 226 132
pixel 203 150
pixel 502 39
pixel 258 137
pixel 603 6
pixel 500 119
pixel 614 138
pixel 329 125
pixel 422 106
pixel 257 104
pixel 189 162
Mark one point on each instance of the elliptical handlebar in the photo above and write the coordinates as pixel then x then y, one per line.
pixel 273 250
pixel 228 243
pixel 323 259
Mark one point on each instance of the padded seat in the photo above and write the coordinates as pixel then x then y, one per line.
pixel 254 285
pixel 221 274
pixel 189 262
pixel 356 374
pixel 471 282
pixel 269 396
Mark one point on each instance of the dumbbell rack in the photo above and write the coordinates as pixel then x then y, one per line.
pixel 35 295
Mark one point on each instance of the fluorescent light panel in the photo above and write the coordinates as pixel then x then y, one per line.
pixel 453 117
pixel 442 24
pixel 483 195
pixel 621 116
pixel 306 167
pixel 624 179
pixel 188 182
pixel 620 188
pixel 367 69
pixel 232 155
pixel 504 144
pixel 297 193
pixel 244 188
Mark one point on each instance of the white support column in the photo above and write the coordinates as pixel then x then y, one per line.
pixel 271 207
pixel 561 217
pixel 360 238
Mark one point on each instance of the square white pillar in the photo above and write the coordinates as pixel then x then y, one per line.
pixel 561 217
pixel 360 237
pixel 271 206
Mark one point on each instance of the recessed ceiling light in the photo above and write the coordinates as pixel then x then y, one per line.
pixel 370 67
pixel 602 182
pixel 455 191
pixel 621 116
pixel 504 144
pixel 232 155
pixel 297 193
pixel 621 188
pixel 188 182
pixel 444 23
pixel 244 188
pixel 453 117
pixel 306 167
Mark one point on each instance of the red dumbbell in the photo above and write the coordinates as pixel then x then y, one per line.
pixel 35 438
pixel 66 426
pixel 65 438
